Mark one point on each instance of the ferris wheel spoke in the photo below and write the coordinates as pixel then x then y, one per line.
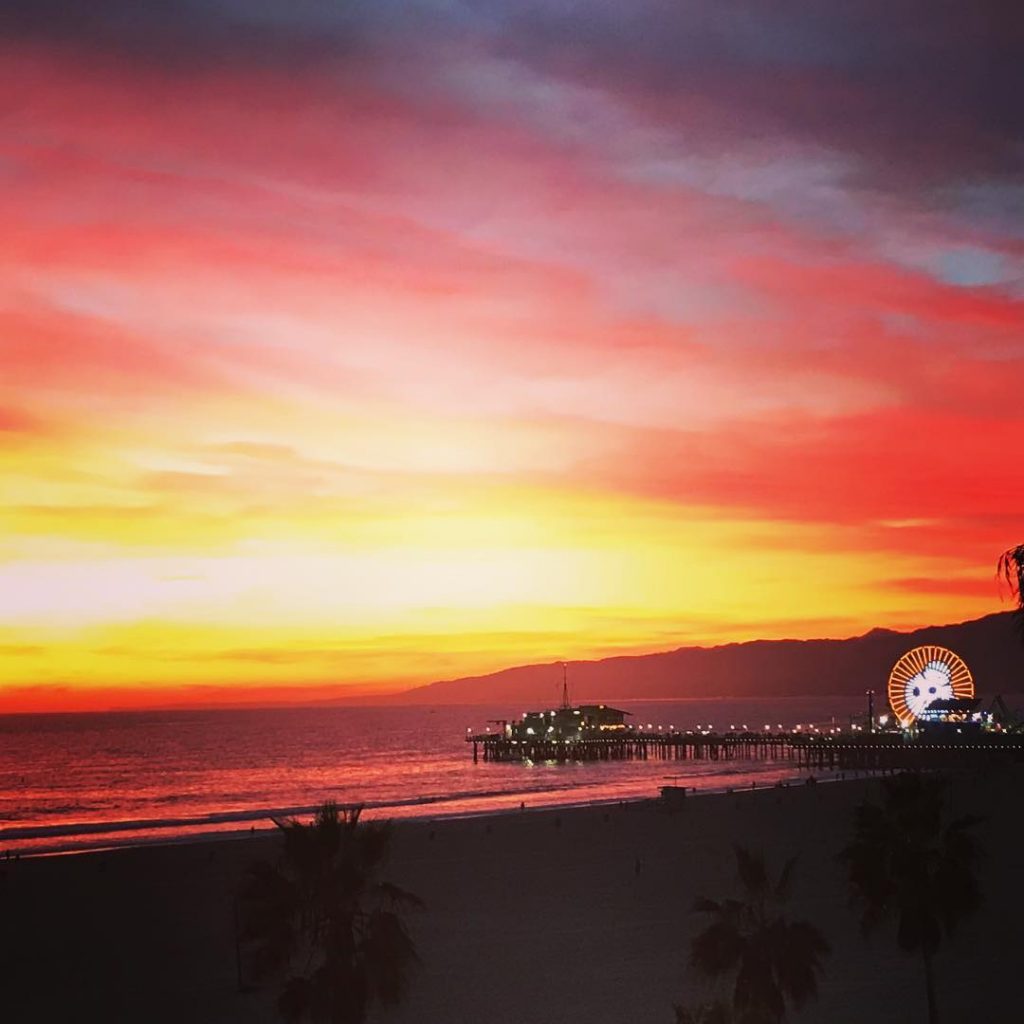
pixel 925 674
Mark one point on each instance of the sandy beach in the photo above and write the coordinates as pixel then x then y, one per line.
pixel 551 917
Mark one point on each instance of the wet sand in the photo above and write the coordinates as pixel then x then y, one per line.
pixel 547 917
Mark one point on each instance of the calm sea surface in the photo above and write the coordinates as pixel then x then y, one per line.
pixel 83 781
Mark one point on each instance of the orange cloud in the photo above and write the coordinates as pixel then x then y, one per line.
pixel 330 379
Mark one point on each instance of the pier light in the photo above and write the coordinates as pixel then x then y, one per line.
pixel 744 728
pixel 767 727
pixel 529 730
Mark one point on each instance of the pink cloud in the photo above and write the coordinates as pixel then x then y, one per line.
pixel 335 243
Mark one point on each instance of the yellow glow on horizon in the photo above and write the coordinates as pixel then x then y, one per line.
pixel 508 574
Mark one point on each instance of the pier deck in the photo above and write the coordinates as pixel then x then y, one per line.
pixel 868 751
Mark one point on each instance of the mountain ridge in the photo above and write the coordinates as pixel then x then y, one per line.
pixel 991 646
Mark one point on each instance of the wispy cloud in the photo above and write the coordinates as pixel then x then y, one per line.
pixel 371 315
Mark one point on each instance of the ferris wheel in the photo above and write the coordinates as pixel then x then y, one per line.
pixel 925 674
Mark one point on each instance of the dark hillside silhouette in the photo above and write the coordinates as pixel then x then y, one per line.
pixel 761 668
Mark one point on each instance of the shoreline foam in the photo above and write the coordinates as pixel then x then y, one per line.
pixel 74 837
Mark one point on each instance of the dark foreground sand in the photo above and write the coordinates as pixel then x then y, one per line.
pixel 538 917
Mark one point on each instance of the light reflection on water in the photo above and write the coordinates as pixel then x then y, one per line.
pixel 69 781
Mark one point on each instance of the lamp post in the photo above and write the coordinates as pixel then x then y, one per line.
pixel 871 710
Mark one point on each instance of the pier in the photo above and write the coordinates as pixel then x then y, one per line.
pixel 867 751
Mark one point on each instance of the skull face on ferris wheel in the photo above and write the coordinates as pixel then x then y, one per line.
pixel 933 682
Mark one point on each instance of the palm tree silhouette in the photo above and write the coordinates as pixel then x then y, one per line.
pixel 1010 567
pixel 774 959
pixel 320 917
pixel 906 864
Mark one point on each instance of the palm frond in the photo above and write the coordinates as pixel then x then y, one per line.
pixel 394 896
pixel 784 886
pixel 756 993
pixel 800 949
pixel 717 949
pixel 905 864
pixel 388 953
pixel 321 912
pixel 752 872
pixel 1010 569
pixel 268 918
pixel 774 959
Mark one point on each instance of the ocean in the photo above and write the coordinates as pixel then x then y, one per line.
pixel 74 782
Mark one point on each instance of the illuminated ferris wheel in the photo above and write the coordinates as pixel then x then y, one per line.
pixel 925 674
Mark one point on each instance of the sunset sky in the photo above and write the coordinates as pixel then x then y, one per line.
pixel 361 344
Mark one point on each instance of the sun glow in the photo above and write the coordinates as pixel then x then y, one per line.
pixel 296 398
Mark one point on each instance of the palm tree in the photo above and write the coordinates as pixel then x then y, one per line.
pixel 1010 567
pixel 906 864
pixel 774 959
pixel 320 917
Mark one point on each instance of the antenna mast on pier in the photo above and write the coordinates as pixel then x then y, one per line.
pixel 565 688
